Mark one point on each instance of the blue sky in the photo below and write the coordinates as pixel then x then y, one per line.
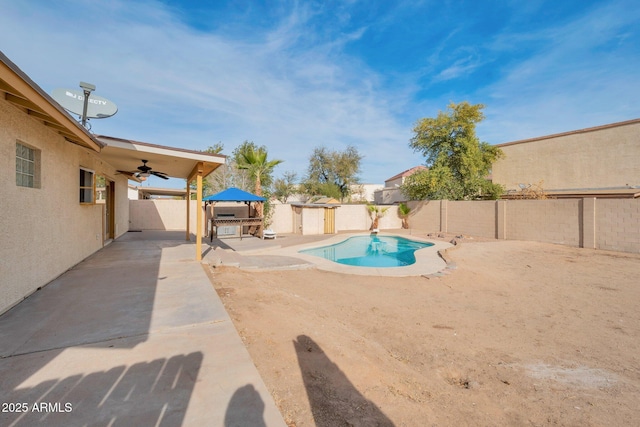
pixel 295 75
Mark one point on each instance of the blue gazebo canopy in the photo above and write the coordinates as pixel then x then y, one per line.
pixel 233 195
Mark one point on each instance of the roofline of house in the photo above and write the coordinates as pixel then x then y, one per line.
pixel 163 147
pixel 421 167
pixel 573 132
pixel 71 124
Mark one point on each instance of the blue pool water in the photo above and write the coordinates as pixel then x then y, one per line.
pixel 371 251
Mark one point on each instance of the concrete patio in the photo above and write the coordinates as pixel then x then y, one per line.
pixel 133 335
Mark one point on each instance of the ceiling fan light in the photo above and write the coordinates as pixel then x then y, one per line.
pixel 144 174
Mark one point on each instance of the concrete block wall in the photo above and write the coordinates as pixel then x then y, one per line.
pixel 617 225
pixel 476 218
pixel 425 215
pixel 552 221
pixel 610 224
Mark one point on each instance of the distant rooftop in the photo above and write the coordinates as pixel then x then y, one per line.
pixel 408 172
pixel 555 135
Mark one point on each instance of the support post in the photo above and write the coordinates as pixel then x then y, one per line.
pixel 501 219
pixel 199 216
pixel 443 216
pixel 197 173
pixel 188 207
pixel 588 238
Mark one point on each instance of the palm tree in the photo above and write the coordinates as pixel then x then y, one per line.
pixel 403 212
pixel 254 161
pixel 376 212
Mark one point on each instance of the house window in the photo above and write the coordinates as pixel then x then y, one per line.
pixel 86 186
pixel 27 166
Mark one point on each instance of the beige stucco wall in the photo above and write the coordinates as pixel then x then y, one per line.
pixel 352 217
pixel 45 231
pixel 347 218
pixel 603 158
pixel 282 219
pixel 164 214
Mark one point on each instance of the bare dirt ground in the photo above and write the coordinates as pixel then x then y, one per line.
pixel 520 333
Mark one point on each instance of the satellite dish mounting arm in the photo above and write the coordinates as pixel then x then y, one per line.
pixel 87 88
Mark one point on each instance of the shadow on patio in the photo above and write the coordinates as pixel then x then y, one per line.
pixel 133 335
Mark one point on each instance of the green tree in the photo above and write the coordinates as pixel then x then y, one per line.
pixel 211 184
pixel 254 160
pixel 332 173
pixel 458 161
pixel 284 187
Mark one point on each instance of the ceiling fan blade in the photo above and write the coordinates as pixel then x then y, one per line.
pixel 159 174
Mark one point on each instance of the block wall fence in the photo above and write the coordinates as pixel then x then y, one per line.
pixel 610 224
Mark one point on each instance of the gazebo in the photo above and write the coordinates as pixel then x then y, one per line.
pixel 234 195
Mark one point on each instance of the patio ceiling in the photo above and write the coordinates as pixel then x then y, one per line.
pixel 127 155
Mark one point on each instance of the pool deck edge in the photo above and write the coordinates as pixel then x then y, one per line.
pixel 428 260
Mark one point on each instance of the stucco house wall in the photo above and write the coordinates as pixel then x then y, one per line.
pixel 46 230
pixel 604 157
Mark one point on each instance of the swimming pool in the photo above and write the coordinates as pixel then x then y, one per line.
pixel 371 251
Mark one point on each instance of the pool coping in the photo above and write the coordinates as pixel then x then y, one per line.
pixel 428 260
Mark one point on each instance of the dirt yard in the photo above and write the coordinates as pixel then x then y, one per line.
pixel 518 334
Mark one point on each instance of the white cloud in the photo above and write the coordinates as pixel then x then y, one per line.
pixel 181 87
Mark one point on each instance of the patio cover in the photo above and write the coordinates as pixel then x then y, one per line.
pixel 233 194
pixel 126 155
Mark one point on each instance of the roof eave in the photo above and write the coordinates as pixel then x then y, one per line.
pixel 18 89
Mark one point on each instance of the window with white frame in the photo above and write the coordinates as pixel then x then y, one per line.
pixel 87 188
pixel 27 166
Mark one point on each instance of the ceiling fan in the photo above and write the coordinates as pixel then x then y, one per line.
pixel 144 171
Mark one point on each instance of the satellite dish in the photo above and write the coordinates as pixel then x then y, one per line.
pixel 73 100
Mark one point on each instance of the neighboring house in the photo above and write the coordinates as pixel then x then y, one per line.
pixel 594 162
pixel 364 192
pixel 391 193
pixel 50 217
